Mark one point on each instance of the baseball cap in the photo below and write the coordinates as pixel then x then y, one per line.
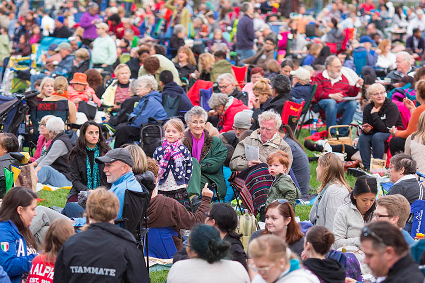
pixel 366 38
pixel 120 154
pixel 53 46
pixel 301 73
pixel 64 45
pixel 243 119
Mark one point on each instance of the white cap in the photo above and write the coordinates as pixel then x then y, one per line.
pixel 302 74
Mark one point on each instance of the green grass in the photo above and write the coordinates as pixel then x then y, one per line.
pixel 55 198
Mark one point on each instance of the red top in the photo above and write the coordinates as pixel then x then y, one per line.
pixel 367 8
pixel 226 120
pixel 118 30
pixel 325 87
pixel 42 271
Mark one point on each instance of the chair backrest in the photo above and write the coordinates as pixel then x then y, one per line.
pixel 134 210
pixel 45 43
pixel 240 74
pixel 308 102
pixel 56 108
pixel 333 47
pixel 291 113
pixel 346 39
pixel 161 244
pixel 204 97
pixel 360 58
pixel 171 104
pixel 77 17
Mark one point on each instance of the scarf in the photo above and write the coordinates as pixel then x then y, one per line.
pixel 64 94
pixel 171 150
pixel 93 178
pixel 197 146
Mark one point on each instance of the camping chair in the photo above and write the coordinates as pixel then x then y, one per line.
pixel 291 114
pixel 360 60
pixel 12 113
pixel 44 46
pixel 204 97
pixel 333 47
pixel 163 246
pixel 241 75
pixel 134 214
pixel 124 58
pixel 305 112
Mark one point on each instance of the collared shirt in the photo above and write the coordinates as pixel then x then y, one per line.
pixel 333 81
pixel 259 136
pixel 406 177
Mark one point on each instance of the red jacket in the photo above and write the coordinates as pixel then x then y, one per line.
pixel 325 87
pixel 226 120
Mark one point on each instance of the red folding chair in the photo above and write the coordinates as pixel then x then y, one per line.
pixel 241 74
pixel 333 47
pixel 291 114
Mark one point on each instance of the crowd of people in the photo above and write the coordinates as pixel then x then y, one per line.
pixel 183 103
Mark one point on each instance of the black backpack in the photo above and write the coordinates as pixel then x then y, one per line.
pixel 151 136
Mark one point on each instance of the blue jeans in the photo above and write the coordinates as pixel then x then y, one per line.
pixel 377 142
pixel 332 109
pixel 50 176
pixel 73 210
pixel 245 53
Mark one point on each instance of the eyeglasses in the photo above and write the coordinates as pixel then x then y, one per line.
pixel 281 201
pixel 198 122
pixel 367 232
pixel 261 269
pixel 379 94
pixel 238 129
pixel 377 215
pixel 223 86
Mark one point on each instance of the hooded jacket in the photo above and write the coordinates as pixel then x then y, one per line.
pixel 149 105
pixel 14 257
pixel 233 107
pixel 174 90
pixel 327 270
pixel 277 103
pixel 112 257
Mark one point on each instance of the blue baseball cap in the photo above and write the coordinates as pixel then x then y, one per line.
pixel 366 38
pixel 53 46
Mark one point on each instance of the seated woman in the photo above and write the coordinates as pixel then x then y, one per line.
pixel 280 221
pixel 313 52
pixel 223 217
pixel 335 35
pixel 207 251
pixel 402 173
pixel 81 62
pixel 318 242
pixel 118 90
pixel 44 140
pixel 46 88
pixel 351 217
pixel 149 106
pixel 399 139
pixel 86 173
pixel 415 145
pixel 378 116
pixel 205 63
pixel 333 191
pixel 95 81
pixel 271 258
pixel 185 62
pixel 177 39
pixel 80 91
pixel 263 95
pixel 257 73
pixel 226 107
pixel 19 247
pixel 53 168
pixel 208 154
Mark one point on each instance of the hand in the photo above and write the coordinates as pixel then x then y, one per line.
pixel 360 82
pixel 378 51
pixel 375 110
pixel 253 162
pixel 36 170
pixel 393 130
pixel 350 280
pixel 104 65
pixel 212 113
pixel 35 163
pixel 94 21
pixel 197 74
pixel 337 96
pixel 48 73
pixel 207 192
pixel 256 104
pixel 409 104
pixel 366 128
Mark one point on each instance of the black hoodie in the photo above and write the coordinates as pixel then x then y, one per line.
pixel 102 253
pixel 277 103
pixel 173 90
pixel 327 270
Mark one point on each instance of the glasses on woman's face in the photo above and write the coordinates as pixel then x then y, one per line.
pixel 198 122
pixel 383 93
pixel 261 269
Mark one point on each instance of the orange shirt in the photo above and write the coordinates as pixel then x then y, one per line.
pixel 413 123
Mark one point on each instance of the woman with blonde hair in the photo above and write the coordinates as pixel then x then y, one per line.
pixel 205 63
pixel 386 59
pixel 415 145
pixel 46 88
pixel 185 62
pixel 81 62
pixel 313 52
pixel 263 95
pixel 121 260
pixel 119 89
pixel 332 192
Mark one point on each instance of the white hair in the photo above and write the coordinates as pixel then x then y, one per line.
pixel 148 81
pixel 270 115
pixel 196 111
pixel 218 99
pixel 226 77
pixel 405 55
pixel 55 125
pixel 373 88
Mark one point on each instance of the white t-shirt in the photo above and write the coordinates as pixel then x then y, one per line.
pixel 199 270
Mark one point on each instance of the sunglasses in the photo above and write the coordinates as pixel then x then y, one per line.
pixel 368 232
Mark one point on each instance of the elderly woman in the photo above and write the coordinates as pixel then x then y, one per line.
pixel 81 62
pixel 53 168
pixel 226 108
pixel 257 73
pixel 118 90
pixel 208 154
pixel 263 95
pixel 227 85
pixel 177 39
pixel 378 117
pixel 44 140
pixel 150 105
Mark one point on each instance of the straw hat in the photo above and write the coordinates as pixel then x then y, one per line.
pixel 79 78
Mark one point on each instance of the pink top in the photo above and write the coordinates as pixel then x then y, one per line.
pixel 41 142
pixel 82 95
pixel 251 97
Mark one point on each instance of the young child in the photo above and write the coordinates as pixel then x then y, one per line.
pixel 43 266
pixel 175 163
pixel 283 187
pixel 80 91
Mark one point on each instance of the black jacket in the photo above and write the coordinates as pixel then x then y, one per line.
pixel 411 46
pixel 102 253
pixel 175 44
pixel 173 90
pixel 62 32
pixel 257 113
pixel 134 65
pixel 405 270
pixel 147 181
pixel 408 188
pixel 387 117
pixel 241 95
pixel 61 163
pixel 277 103
pixel 327 270
pixel 125 109
pixel 81 68
pixel 185 71
pixel 78 166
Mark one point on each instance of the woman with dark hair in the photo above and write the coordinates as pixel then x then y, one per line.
pixel 116 26
pixel 95 80
pixel 324 53
pixel 280 221
pixel 86 173
pixel 318 242
pixel 18 246
pixel 335 35
pixel 207 250
pixel 351 217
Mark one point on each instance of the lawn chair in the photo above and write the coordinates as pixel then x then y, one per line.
pixel 241 75
pixel 305 112
pixel 204 97
pixel 291 114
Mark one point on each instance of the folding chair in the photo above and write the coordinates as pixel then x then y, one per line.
pixel 204 97
pixel 291 114
pixel 241 75
pixel 305 112
pixel 333 47
pixel 134 215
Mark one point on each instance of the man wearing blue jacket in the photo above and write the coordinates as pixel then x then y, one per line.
pixel 245 34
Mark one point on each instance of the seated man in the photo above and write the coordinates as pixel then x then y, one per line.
pixel 118 170
pixel 416 43
pixel 221 65
pixel 394 209
pixel 301 87
pixel 226 107
pixel 61 31
pixel 267 139
pixel 404 67
pixel 227 85
pixel 155 64
pixel 174 98
pixel 332 88
pixel 263 56
pixel 241 128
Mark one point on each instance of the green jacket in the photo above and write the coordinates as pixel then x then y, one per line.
pixel 164 64
pixel 210 168
pixel 220 67
pixel 283 188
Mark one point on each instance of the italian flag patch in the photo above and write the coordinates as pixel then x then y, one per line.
pixel 4 246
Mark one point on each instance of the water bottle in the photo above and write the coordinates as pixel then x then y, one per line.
pixel 314 129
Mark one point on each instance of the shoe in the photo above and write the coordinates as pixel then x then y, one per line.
pixel 351 164
pixel 308 144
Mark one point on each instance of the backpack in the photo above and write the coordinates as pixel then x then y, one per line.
pixel 248 224
pixel 151 136
pixel 171 104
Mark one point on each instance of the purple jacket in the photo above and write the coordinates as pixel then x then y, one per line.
pixel 86 24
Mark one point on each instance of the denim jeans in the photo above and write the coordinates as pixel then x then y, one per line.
pixel 245 53
pixel 332 109
pixel 377 142
pixel 50 176
pixel 73 210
